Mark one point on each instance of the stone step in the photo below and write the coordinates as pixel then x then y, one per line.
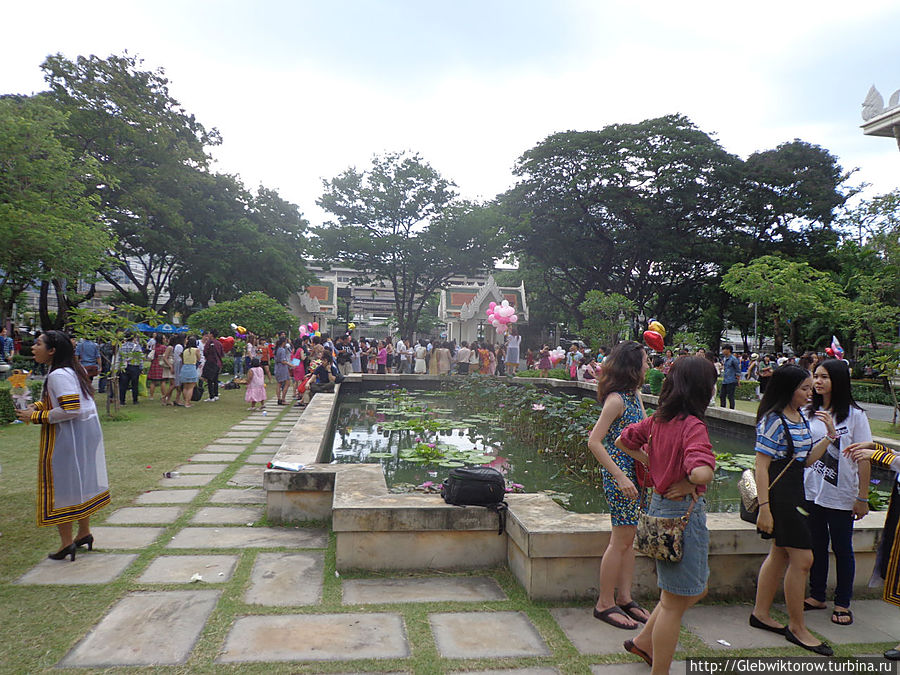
pixel 145 629
pixel 145 515
pixel 87 568
pixel 201 467
pixel 179 569
pixel 474 635
pixel 712 623
pixel 248 537
pixel 190 480
pixel 225 515
pixel 167 497
pixel 238 496
pixel 215 457
pixel 436 589
pixel 124 538
pixel 286 579
pixel 315 637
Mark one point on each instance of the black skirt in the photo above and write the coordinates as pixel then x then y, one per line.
pixel 787 502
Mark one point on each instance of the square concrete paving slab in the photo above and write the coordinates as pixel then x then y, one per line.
pixel 260 459
pixel 145 629
pixel 248 537
pixel 107 538
pixel 227 515
pixel 436 589
pixel 145 515
pixel 178 569
pixel 869 624
pixel 225 447
pixel 190 480
pixel 167 497
pixel 248 427
pixel 589 635
pixel 472 635
pixel 315 637
pixel 638 668
pixel 716 622
pixel 201 467
pixel 248 476
pixel 235 496
pixel 286 579
pixel 244 436
pixel 228 441
pixel 215 457
pixel 89 568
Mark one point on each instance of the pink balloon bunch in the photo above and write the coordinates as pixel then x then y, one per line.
pixel 501 316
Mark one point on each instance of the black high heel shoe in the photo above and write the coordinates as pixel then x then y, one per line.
pixel 64 552
pixel 86 540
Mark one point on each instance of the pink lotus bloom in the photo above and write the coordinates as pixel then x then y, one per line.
pixel 427 484
pixel 537 406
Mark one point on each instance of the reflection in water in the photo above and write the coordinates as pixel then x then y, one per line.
pixel 358 434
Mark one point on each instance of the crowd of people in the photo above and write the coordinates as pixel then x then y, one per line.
pixel 813 451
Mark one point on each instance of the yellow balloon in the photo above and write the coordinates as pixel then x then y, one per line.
pixel 318 334
pixel 241 329
pixel 657 327
pixel 351 326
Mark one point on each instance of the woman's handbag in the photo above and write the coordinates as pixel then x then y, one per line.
pixel 658 537
pixel 747 483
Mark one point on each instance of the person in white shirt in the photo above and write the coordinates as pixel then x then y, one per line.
pixel 462 358
pixel 401 352
pixel 836 487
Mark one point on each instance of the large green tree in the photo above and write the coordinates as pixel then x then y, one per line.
pixel 791 290
pixel 257 312
pixel 149 148
pixel 399 223
pixel 50 227
pixel 634 209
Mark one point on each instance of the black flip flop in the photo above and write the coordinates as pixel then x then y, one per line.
pixel 837 613
pixel 606 617
pixel 631 607
pixel 632 648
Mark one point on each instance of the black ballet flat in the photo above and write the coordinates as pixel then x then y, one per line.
pixel 822 648
pixel 64 552
pixel 756 623
pixel 86 540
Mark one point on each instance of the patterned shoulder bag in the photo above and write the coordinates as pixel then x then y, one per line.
pixel 658 537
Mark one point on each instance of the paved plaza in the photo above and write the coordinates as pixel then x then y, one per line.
pixel 223 590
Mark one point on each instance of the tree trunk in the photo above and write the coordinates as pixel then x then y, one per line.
pixel 779 334
pixel 795 337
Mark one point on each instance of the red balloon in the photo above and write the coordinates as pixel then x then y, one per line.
pixel 315 325
pixel 654 340
pixel 227 343
pixel 829 351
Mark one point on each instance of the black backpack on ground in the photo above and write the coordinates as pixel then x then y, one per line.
pixel 477 486
pixel 198 391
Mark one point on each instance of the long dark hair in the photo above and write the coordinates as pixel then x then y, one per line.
pixel 621 369
pixel 686 389
pixel 780 390
pixel 841 395
pixel 64 357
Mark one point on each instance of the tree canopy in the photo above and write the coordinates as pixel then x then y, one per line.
pixel 257 312
pixel 398 223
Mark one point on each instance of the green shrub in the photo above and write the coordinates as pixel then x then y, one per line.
pixel 20 362
pixel 227 365
pixel 746 390
pixel 7 407
pixel 869 392
pixel 557 373
pixel 36 387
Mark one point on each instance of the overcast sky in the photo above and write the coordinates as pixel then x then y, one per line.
pixel 302 90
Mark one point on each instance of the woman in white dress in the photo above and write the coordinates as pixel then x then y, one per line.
pixel 72 480
pixel 513 341
pixel 420 352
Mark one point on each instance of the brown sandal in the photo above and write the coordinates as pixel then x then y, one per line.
pixel 632 648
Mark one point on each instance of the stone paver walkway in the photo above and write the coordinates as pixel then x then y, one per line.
pixel 206 540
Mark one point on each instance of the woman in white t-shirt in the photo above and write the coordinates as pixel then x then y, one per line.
pixel 836 487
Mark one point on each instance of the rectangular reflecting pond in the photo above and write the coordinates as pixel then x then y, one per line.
pixel 380 427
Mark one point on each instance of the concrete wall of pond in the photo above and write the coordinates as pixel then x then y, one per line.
pixel 554 553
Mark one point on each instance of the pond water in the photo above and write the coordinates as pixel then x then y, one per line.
pixel 360 435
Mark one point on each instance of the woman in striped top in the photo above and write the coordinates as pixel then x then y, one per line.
pixel 784 447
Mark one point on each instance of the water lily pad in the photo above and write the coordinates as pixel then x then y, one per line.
pixel 381 455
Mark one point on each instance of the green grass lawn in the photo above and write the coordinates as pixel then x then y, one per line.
pixel 40 622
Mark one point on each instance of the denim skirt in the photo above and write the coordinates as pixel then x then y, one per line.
pixel 690 576
pixel 188 373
